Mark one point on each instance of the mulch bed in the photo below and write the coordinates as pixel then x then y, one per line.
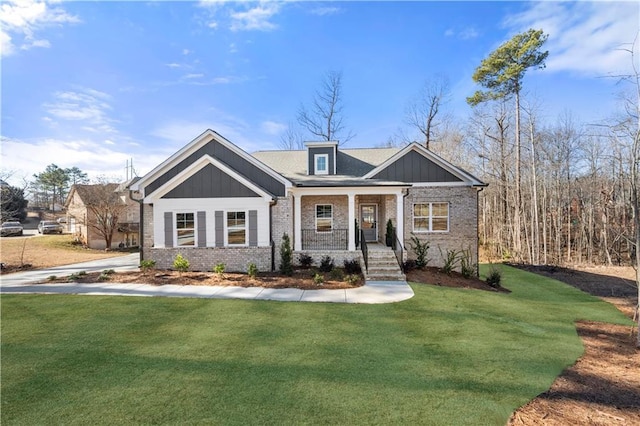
pixel 434 276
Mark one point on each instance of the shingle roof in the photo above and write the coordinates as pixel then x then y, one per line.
pixel 351 162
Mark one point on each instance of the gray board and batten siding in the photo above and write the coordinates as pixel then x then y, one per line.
pixel 223 154
pixel 210 182
pixel 414 167
pixel 329 151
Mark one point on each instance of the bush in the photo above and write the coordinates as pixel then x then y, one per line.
pixel 306 261
pixel 82 273
pixel 180 264
pixel 252 270
pixel 52 278
pixel 108 272
pixel 104 277
pixel 318 279
pixel 408 265
pixel 467 267
pixel 421 249
pixel 219 269
pixel 337 274
pixel 286 268
pixel 352 279
pixel 327 264
pixel 494 277
pixel 352 266
pixel 147 265
pixel 73 277
pixel 451 259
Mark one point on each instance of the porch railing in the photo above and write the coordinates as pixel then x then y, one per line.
pixel 397 249
pixel 337 239
pixel 365 250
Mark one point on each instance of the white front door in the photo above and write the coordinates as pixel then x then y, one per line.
pixel 369 221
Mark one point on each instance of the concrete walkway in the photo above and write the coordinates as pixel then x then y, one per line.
pixel 372 292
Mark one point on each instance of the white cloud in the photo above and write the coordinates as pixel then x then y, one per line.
pixel 325 10
pixel 192 76
pixel 467 33
pixel 273 128
pixel 256 18
pixel 584 37
pixel 87 105
pixel 21 19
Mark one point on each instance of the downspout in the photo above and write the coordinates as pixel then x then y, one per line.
pixel 272 203
pixel 479 190
pixel 141 224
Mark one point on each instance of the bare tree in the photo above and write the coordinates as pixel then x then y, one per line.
pixel 325 119
pixel 105 207
pixel 291 138
pixel 425 111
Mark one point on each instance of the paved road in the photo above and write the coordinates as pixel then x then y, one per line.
pixel 373 292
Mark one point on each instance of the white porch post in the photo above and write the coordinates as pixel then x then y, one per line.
pixel 297 222
pixel 400 217
pixel 352 219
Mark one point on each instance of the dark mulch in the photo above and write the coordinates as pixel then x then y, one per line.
pixel 434 276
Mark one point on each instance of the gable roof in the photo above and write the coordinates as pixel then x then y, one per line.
pixel 173 165
pixel 86 191
pixel 449 169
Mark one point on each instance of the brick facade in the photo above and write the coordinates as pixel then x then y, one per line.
pixel 463 221
pixel 236 259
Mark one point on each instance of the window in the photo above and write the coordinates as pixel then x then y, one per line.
pixel 431 217
pixel 185 230
pixel 322 164
pixel 324 217
pixel 237 228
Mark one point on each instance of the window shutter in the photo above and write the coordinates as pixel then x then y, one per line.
pixel 168 229
pixel 253 228
pixel 202 229
pixel 219 215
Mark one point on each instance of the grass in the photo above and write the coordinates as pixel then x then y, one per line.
pixel 47 250
pixel 447 356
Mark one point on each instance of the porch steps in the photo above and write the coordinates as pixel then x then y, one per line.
pixel 383 266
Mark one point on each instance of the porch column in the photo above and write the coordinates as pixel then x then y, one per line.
pixel 297 222
pixel 352 219
pixel 400 217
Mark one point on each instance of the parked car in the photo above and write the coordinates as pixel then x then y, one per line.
pixel 49 227
pixel 11 228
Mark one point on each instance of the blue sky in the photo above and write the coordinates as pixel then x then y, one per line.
pixel 92 84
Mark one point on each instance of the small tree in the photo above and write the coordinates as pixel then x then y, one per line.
pixel 13 203
pixel 286 254
pixel 104 208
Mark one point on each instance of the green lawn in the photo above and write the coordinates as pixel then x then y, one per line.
pixel 447 356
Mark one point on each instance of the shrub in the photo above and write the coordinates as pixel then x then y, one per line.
pixel 286 268
pixel 219 270
pixel 108 272
pixel 306 261
pixel 408 265
pixel 318 279
pixel 494 277
pixel 467 267
pixel 252 270
pixel 147 265
pixel 180 264
pixel 52 278
pixel 82 273
pixel 104 277
pixel 352 279
pixel 451 259
pixel 389 240
pixel 327 264
pixel 352 266
pixel 421 249
pixel 337 274
pixel 73 277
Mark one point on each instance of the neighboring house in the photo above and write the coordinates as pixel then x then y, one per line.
pixel 214 203
pixel 80 215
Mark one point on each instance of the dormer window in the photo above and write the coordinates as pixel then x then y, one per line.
pixel 322 164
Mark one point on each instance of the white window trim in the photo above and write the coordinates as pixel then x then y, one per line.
pixel 315 214
pixel 246 228
pixel 175 229
pixel 430 218
pixel 316 157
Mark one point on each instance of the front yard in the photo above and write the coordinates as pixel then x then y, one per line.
pixel 447 356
